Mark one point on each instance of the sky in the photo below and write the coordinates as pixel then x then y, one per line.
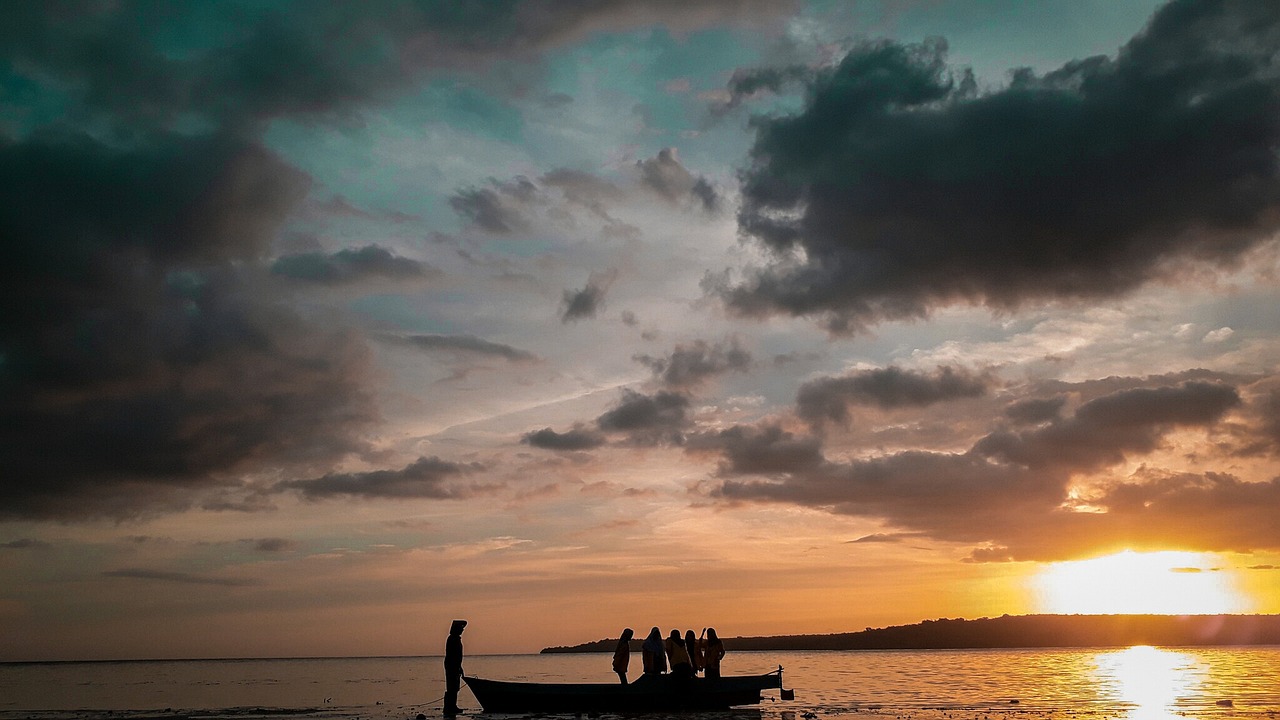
pixel 326 323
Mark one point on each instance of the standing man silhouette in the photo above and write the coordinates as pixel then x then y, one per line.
pixel 453 667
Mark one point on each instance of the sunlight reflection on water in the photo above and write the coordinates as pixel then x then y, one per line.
pixel 1154 682
pixel 1139 683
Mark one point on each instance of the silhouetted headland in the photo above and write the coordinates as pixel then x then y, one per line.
pixel 1020 631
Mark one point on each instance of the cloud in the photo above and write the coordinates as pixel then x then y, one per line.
pixel 273 545
pixel 899 188
pixel 513 206
pixel 579 438
pixel 426 477
pixel 828 398
pixel 464 344
pixel 641 419
pixel 1031 411
pixel 749 83
pixel 1270 411
pixel 181 578
pixel 884 538
pixel 691 365
pixel 585 303
pixel 1105 430
pixel 520 204
pixel 670 180
pixel 499 209
pixel 1013 495
pixel 350 266
pixel 584 189
pixel 637 412
pixel 150 364
pixel 144 363
pixel 24 544
pixel 237 67
pixel 1218 336
pixel 764 450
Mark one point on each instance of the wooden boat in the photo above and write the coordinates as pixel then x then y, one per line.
pixel 648 693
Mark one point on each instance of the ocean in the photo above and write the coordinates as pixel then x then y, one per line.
pixel 1138 683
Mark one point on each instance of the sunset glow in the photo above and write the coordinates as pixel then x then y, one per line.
pixel 327 323
pixel 1160 583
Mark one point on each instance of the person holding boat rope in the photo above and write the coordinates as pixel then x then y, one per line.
pixel 453 668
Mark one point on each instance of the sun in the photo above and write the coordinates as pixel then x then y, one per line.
pixel 1152 583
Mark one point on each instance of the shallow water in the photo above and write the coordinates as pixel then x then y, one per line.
pixel 1139 683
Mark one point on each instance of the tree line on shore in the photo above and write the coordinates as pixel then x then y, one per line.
pixel 1014 631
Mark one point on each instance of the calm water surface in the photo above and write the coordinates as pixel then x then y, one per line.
pixel 1140 683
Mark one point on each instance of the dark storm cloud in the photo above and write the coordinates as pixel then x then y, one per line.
pixel 1009 495
pixel 181 578
pixel 666 176
pixel 427 477
pixel 764 450
pixel 691 365
pixel 636 412
pixel 1105 430
pixel 829 398
pixel 350 266
pixel 578 438
pixel 159 63
pixel 465 344
pixel 585 303
pixel 140 363
pixel 899 188
pixel 146 365
pixel 238 65
pixel 71 198
pixel 913 489
pixel 1270 412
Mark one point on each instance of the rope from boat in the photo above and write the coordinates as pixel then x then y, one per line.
pixel 433 702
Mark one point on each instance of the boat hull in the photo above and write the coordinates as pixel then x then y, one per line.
pixel 648 693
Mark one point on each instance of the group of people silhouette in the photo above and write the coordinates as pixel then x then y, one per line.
pixel 686 656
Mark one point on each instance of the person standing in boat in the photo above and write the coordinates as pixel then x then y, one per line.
pixel 453 668
pixel 655 659
pixel 691 647
pixel 679 657
pixel 622 655
pixel 712 655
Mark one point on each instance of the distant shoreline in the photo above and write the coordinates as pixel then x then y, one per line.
pixel 1014 631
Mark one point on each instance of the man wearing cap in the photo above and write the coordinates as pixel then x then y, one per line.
pixel 453 667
